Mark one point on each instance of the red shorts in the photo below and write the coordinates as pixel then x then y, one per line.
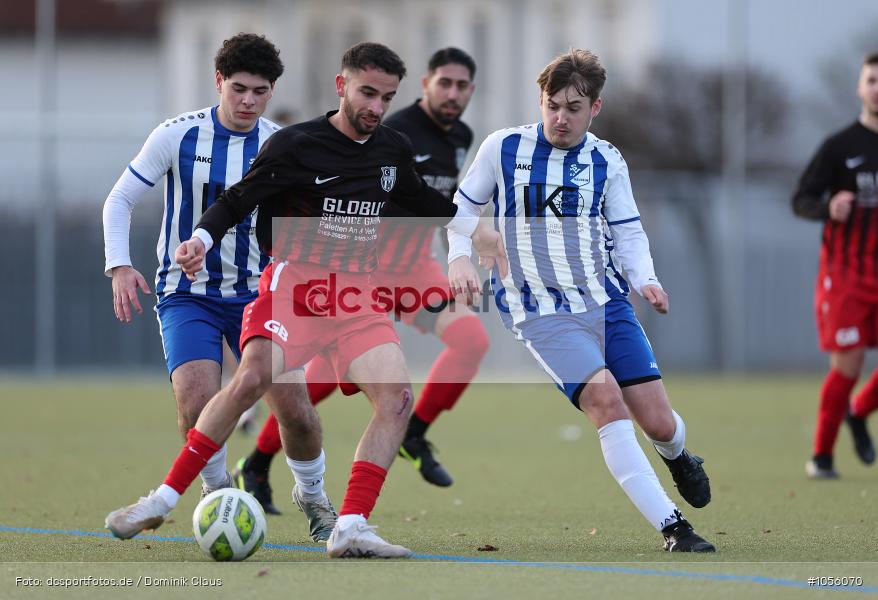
pixel 847 314
pixel 307 311
pixel 425 287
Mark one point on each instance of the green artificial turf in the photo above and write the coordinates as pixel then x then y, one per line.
pixel 529 481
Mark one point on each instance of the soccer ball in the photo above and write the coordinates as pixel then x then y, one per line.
pixel 229 524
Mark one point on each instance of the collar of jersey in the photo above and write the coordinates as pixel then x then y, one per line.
pixel 220 128
pixel 348 140
pixel 541 138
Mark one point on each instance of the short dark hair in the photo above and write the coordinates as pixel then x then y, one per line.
pixel 871 59
pixel 249 53
pixel 452 56
pixel 577 67
pixel 371 55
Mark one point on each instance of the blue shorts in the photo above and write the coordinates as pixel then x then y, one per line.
pixel 572 347
pixel 193 327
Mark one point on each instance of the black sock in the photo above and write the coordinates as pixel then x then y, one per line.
pixel 417 427
pixel 258 462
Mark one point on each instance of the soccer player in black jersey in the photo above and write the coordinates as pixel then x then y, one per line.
pixel 339 170
pixel 840 187
pixel 405 261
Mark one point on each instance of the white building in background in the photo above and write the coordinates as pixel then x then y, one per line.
pixel 112 89
pixel 511 41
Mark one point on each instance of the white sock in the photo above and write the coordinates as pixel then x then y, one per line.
pixel 629 466
pixel 673 447
pixel 309 474
pixel 345 521
pixel 214 472
pixel 168 494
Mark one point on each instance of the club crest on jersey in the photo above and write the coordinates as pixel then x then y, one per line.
pixel 580 174
pixel 388 178
pixel 459 157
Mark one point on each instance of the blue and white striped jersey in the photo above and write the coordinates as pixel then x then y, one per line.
pixel 554 208
pixel 199 159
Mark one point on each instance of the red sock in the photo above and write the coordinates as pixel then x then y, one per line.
pixel 834 398
pixel 193 456
pixel 363 489
pixel 866 401
pixel 466 343
pixel 268 441
pixel 321 379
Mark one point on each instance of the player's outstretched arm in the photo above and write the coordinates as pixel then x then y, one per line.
pixel 119 205
pixel 190 256
pixel 148 167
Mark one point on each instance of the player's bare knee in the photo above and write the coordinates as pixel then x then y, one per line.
pixel 602 402
pixel 248 385
pixel 660 428
pixel 395 404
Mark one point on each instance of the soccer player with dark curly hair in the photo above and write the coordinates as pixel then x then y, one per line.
pixel 199 154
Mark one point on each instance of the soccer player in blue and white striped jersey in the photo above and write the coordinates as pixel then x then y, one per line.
pixel 199 154
pixel 562 201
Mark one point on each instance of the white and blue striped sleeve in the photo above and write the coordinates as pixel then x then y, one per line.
pixel 150 164
pixel 474 192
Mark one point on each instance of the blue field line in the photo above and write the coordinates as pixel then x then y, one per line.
pixel 489 561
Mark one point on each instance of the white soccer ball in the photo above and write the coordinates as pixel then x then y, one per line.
pixel 229 524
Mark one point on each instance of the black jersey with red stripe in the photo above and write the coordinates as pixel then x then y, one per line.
pixel 439 156
pixel 847 160
pixel 331 191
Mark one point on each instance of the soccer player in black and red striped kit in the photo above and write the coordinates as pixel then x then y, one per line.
pixel 840 187
pixel 319 187
pixel 440 141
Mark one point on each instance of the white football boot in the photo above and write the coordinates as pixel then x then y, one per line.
pixel 147 513
pixel 359 540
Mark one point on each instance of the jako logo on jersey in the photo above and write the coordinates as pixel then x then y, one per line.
pixel 276 327
pixel 364 208
pixel 388 178
pixel 847 336
pixel 523 167
pixel 204 159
